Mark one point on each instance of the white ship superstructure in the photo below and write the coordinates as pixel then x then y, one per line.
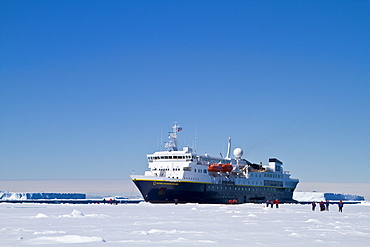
pixel 184 176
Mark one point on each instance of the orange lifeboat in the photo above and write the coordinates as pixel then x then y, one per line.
pixel 220 168
pixel 227 167
pixel 215 168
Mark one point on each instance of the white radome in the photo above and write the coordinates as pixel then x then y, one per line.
pixel 238 153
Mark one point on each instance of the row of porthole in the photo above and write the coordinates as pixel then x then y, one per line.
pixel 241 188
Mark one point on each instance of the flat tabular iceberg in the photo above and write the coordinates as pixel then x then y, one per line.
pixel 37 196
pixel 320 196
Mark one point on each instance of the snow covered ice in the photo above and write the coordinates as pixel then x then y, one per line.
pixel 147 224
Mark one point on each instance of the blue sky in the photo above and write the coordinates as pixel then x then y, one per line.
pixel 88 88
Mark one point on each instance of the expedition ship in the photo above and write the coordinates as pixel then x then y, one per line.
pixel 183 176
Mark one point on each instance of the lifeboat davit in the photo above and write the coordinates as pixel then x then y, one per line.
pixel 227 168
pixel 215 168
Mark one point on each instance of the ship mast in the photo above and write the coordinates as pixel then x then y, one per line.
pixel 173 135
pixel 228 148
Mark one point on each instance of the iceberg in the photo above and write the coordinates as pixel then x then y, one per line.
pixel 38 196
pixel 321 196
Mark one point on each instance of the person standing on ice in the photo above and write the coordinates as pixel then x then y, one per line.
pixel 322 206
pixel 327 205
pixel 340 205
pixel 313 206
pixel 277 203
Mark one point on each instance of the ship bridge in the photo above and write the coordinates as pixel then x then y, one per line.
pixel 165 156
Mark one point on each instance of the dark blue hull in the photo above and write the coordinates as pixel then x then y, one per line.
pixel 192 192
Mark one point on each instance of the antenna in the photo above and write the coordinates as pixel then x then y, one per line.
pixel 161 138
pixel 195 138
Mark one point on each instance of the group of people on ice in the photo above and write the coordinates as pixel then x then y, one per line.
pixel 324 206
pixel 271 203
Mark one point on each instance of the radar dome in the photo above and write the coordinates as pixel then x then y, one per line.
pixel 238 153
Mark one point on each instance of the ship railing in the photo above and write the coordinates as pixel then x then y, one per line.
pixel 149 173
pixel 157 174
pixel 257 170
